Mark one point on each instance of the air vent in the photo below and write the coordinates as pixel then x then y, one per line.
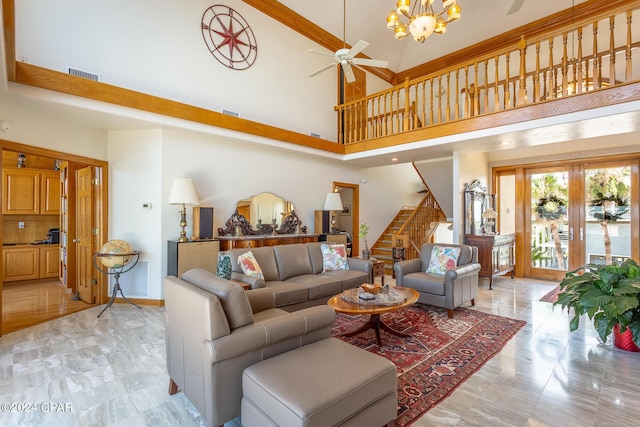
pixel 84 74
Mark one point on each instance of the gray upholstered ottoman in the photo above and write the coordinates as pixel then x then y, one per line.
pixel 326 383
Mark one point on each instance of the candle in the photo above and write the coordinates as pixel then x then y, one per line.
pixel 273 210
pixel 259 218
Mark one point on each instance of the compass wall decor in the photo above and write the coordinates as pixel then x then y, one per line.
pixel 229 37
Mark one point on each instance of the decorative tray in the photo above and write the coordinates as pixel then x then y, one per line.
pixel 387 296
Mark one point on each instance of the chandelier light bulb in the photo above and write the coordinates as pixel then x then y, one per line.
pixel 422 27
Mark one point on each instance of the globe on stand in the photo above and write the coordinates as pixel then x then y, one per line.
pixel 116 257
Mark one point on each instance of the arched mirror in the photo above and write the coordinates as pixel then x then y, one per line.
pixel 264 208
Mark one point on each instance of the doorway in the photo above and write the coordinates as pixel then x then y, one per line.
pixel 573 214
pixel 350 215
pixel 63 267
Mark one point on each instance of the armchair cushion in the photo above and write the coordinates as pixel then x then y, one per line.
pixel 234 301
pixel 443 258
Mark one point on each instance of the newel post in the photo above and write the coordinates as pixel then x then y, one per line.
pixel 522 92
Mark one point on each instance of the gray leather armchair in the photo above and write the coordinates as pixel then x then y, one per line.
pixel 450 290
pixel 214 330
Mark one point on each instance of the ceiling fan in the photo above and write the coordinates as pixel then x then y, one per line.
pixel 347 57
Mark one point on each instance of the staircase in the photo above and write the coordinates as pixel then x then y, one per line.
pixel 383 247
pixel 414 226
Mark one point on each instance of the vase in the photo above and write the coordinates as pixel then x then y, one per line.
pixel 224 266
pixel 624 340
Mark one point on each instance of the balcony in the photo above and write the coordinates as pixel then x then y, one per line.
pixel 589 63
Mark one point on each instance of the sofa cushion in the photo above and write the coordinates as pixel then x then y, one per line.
pixel 249 265
pixel 263 255
pixel 318 285
pixel 348 278
pixel 315 255
pixel 425 282
pixel 334 257
pixel 443 258
pixel 292 260
pixel 234 301
pixel 288 293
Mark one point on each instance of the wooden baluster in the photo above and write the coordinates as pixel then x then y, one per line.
pixel 544 89
pixel 612 52
pixel 457 94
pixel 565 64
pixel 496 93
pixel 440 99
pixel 551 94
pixel 522 92
pixel 379 118
pixel 476 104
pixel 579 77
pixel 536 76
pixel 340 113
pixel 486 86
pixel 423 108
pixel 407 103
pixel 597 81
pixel 448 111
pixel 507 97
pixel 431 102
pixel 629 74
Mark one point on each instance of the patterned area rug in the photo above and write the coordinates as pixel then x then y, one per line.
pixel 551 296
pixel 439 356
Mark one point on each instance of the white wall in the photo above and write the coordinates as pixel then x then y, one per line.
pixel 157 47
pixel 467 167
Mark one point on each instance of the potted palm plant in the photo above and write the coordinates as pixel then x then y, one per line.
pixel 610 296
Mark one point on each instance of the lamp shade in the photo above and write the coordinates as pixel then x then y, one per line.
pixel 489 214
pixel 333 202
pixel 183 191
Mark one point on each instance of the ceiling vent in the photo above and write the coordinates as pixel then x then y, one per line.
pixel 84 74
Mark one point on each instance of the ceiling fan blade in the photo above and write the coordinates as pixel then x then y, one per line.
pixel 348 72
pixel 357 48
pixel 517 4
pixel 370 62
pixel 326 67
pixel 319 52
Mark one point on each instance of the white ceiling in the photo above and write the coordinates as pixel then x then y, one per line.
pixel 366 20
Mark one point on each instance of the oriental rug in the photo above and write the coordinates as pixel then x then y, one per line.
pixel 551 296
pixel 440 354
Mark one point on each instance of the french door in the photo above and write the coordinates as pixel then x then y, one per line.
pixel 579 214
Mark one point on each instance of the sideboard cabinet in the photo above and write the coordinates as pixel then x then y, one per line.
pixel 258 241
pixel 183 256
pixel 496 254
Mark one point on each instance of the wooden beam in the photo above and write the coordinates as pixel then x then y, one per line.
pixel 313 32
pixel 9 25
pixel 64 83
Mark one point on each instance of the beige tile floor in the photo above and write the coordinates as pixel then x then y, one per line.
pixel 82 371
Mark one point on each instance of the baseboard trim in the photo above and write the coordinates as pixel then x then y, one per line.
pixel 142 301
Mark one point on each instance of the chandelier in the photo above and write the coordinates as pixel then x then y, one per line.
pixel 424 21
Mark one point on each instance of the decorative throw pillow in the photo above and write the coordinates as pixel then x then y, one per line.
pixel 443 258
pixel 249 265
pixel 334 257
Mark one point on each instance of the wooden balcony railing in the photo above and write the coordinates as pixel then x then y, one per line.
pixel 595 54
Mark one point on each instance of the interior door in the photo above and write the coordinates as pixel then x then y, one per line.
pixel 85 271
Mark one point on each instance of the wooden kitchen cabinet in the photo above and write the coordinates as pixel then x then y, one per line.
pixel 49 261
pixel 21 263
pixel 496 254
pixel 30 192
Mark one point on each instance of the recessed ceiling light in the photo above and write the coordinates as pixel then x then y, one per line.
pixel 394 159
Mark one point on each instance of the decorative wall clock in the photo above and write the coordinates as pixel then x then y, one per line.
pixel 229 37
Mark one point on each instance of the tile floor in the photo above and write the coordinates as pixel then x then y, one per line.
pixel 82 371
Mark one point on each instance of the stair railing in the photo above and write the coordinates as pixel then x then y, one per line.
pixel 417 229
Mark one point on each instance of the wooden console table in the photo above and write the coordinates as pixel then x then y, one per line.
pixel 496 254
pixel 257 241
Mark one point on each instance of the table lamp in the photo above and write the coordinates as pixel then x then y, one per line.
pixel 490 220
pixel 183 192
pixel 333 203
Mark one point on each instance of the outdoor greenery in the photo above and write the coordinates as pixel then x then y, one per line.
pixel 550 205
pixel 607 294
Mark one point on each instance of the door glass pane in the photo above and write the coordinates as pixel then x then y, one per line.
pixel 607 224
pixel 549 220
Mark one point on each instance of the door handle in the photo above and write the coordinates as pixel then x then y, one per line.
pixel 76 240
pixel 581 233
pixel 570 233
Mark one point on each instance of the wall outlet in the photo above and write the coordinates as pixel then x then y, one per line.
pixel 21 224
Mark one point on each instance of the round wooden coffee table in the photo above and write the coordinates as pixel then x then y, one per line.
pixel 375 311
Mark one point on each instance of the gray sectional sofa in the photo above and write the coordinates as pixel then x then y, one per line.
pixel 295 273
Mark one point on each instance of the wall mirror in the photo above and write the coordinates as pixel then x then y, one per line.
pixel 264 213
pixel 476 201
